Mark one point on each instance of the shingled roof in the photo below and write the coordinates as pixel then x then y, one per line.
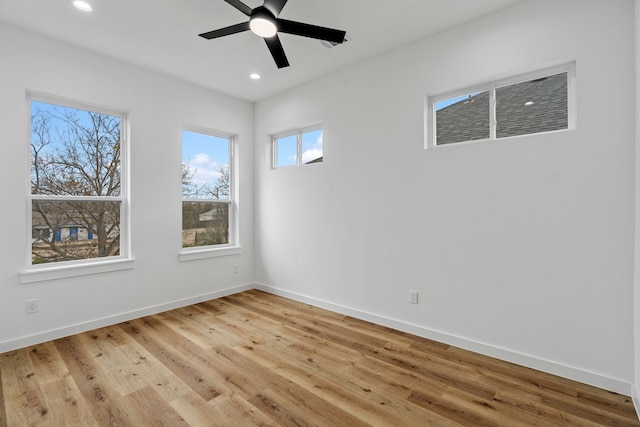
pixel 534 106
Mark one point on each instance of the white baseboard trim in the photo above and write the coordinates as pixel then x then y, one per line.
pixel 580 375
pixel 635 395
pixel 66 331
pixel 597 380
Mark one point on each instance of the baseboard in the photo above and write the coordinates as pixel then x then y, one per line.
pixel 597 380
pixel 580 375
pixel 635 395
pixel 53 334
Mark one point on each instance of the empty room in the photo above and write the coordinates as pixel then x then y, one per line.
pixel 336 213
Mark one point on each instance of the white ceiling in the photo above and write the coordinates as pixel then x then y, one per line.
pixel 162 35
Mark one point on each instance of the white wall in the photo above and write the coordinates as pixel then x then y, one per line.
pixel 521 248
pixel 636 323
pixel 158 108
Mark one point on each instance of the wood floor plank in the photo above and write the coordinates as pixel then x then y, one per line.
pixel 23 386
pixel 256 359
pixel 3 411
pixel 151 409
pixel 280 357
pixel 307 405
pixel 60 392
pixel 333 382
pixel 223 411
pixel 103 400
pixel 115 368
pixel 294 406
pixel 239 412
pixel 185 327
pixel 157 340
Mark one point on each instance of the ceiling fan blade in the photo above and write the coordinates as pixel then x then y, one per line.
pixel 277 51
pixel 274 6
pixel 308 30
pixel 233 29
pixel 240 6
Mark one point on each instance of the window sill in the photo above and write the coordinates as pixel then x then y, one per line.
pixel 39 274
pixel 195 254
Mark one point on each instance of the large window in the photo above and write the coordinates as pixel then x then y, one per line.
pixel 77 195
pixel 207 189
pixel 300 147
pixel 529 104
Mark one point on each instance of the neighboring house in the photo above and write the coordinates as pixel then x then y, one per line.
pixel 318 160
pixel 219 212
pixel 67 232
pixel 534 106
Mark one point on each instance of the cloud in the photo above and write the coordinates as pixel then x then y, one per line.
pixel 204 169
pixel 312 151
pixel 311 154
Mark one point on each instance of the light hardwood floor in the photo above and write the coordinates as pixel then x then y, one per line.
pixel 258 359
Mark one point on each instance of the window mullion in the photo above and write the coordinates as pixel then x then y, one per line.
pixel 61 198
pixel 299 149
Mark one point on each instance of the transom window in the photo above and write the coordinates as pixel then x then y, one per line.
pixel 537 102
pixel 299 147
pixel 77 192
pixel 207 189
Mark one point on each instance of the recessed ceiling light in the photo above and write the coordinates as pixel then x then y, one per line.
pixel 82 5
pixel 254 76
pixel 529 103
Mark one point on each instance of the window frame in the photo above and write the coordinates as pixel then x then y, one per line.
pixel 491 87
pixel 233 246
pixel 298 134
pixel 63 269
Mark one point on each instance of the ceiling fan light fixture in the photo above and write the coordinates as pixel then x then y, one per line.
pixel 263 27
pixel 82 5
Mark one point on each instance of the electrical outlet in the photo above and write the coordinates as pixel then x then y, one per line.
pixel 32 306
pixel 413 297
pixel 235 268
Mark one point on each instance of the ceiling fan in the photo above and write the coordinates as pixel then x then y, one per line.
pixel 264 21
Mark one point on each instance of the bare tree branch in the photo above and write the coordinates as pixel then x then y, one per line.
pixel 75 153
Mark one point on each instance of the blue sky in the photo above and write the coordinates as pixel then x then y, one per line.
pixel 311 145
pixel 57 124
pixel 450 101
pixel 287 149
pixel 204 154
pixel 311 148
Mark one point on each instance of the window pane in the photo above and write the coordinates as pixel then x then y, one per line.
pixel 204 224
pixel 535 106
pixel 312 147
pixel 74 152
pixel 463 118
pixel 205 166
pixel 286 151
pixel 74 230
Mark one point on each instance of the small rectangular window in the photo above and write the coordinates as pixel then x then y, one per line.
pixel 535 106
pixel 301 147
pixel 534 103
pixel 207 189
pixel 76 197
